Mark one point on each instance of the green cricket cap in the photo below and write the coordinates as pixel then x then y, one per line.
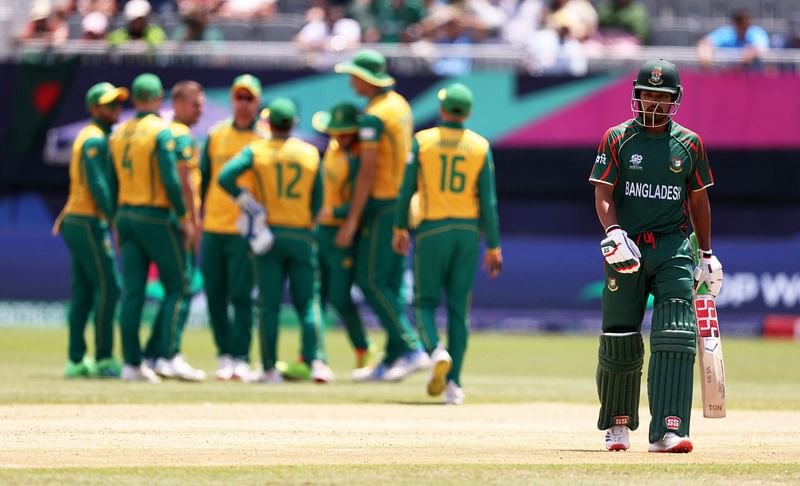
pixel 282 113
pixel 249 83
pixel 105 93
pixel 147 87
pixel 369 66
pixel 342 118
pixel 456 99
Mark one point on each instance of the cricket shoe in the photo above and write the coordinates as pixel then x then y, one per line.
pixel 241 370
pixel 139 373
pixel 82 369
pixel 618 438
pixel 164 369
pixel 369 373
pixel 321 372
pixel 108 368
pixel 185 371
pixel 271 377
pixel 442 362
pixel 453 394
pixel 224 368
pixel 406 364
pixel 671 442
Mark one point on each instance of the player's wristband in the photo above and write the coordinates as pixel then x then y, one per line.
pixel 493 251
pixel 705 253
pixel 613 227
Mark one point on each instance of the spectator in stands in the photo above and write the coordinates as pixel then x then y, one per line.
pixel 527 19
pixel 195 27
pixel 448 24
pixel 389 20
pixel 494 14
pixel 791 39
pixel 139 28
pixel 106 7
pixel 741 34
pixel 327 34
pixel 94 26
pixel 624 21
pixel 559 48
pixel 46 24
pixel 573 19
pixel 248 9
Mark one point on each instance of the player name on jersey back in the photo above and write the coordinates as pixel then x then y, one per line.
pixel 652 191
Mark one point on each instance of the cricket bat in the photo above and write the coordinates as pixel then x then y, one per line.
pixel 709 344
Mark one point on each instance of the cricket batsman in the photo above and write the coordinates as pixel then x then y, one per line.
pixel 226 261
pixel 84 225
pixel 339 166
pixel 152 227
pixel 385 130
pixel 650 177
pixel 289 190
pixel 452 169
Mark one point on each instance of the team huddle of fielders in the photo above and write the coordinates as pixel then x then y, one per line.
pixel 258 206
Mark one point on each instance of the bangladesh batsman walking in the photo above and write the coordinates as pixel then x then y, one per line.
pixel 339 166
pixel 289 189
pixel 226 261
pixel 650 178
pixel 151 226
pixel 84 225
pixel 452 169
pixel 385 130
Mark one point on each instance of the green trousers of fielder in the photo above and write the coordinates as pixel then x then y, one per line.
pixel 95 285
pixel 149 234
pixel 445 258
pixel 293 256
pixel 666 272
pixel 227 266
pixel 337 277
pixel 379 275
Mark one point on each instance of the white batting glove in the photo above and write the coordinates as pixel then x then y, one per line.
pixel 248 203
pixel 709 272
pixel 620 252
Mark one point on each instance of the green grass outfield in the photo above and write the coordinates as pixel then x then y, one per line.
pixel 500 369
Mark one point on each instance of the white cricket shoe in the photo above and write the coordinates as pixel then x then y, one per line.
pixel 185 371
pixel 437 379
pixel 406 364
pixel 163 368
pixel 671 442
pixel 271 376
pixel 139 373
pixel 225 367
pixel 241 370
pixel 321 372
pixel 369 373
pixel 453 394
pixel 618 438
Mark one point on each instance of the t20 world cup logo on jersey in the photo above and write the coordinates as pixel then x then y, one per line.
pixel 655 76
pixel 636 162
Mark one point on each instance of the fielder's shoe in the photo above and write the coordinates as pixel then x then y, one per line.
pixel 406 364
pixel 297 371
pixel 241 370
pixel 163 368
pixel 108 368
pixel 671 442
pixel 369 373
pixel 271 376
pixel 225 367
pixel 618 438
pixel 366 357
pixel 139 373
pixel 437 380
pixel 321 372
pixel 453 394
pixel 82 369
pixel 185 371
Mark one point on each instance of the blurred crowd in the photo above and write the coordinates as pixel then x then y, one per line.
pixel 559 35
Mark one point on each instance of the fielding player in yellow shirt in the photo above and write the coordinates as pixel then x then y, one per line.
pixel 188 102
pixel 385 131
pixel 226 262
pixel 89 209
pixel 339 166
pixel 150 208
pixel 289 189
pixel 452 169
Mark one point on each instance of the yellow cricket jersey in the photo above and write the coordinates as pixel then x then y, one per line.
pixel 224 142
pixel 134 150
pixel 285 171
pixel 186 153
pixel 337 180
pixel 81 201
pixel 450 162
pixel 392 137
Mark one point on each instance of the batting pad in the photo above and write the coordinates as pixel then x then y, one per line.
pixel 619 378
pixel 669 378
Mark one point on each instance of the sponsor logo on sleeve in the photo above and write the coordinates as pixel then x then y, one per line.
pixel 600 159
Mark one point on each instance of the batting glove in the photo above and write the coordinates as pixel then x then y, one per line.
pixel 249 205
pixel 709 272
pixel 620 252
